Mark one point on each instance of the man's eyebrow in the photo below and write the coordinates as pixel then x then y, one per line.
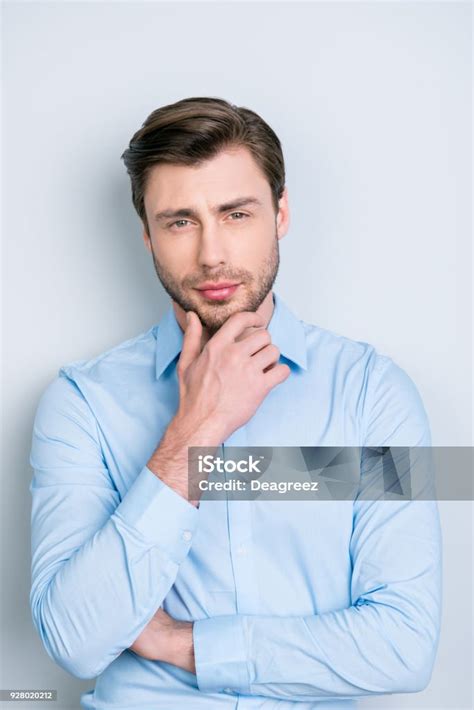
pixel 190 212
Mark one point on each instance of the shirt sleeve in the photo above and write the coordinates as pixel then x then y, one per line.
pixel 101 565
pixel 386 640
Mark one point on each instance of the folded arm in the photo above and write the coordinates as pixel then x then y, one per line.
pixel 101 566
pixel 386 640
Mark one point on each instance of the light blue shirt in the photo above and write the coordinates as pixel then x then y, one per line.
pixel 296 604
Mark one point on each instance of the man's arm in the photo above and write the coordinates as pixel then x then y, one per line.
pixel 100 566
pixel 166 639
pixel 386 641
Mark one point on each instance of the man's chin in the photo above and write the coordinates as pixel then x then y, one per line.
pixel 213 317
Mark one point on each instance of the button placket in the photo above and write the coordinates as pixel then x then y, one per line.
pixel 240 533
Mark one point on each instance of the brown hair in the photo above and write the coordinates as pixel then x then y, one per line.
pixel 195 129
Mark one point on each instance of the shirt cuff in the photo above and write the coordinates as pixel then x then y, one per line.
pixel 159 514
pixel 220 654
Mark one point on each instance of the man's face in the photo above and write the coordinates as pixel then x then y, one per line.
pixel 214 223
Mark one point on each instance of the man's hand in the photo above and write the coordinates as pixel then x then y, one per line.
pixel 221 385
pixel 166 639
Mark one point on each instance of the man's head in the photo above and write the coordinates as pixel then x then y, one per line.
pixel 208 182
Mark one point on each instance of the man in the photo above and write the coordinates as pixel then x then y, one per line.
pixel 177 603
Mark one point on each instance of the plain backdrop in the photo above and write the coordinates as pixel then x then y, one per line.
pixel 372 103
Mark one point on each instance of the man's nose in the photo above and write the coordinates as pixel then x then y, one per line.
pixel 212 247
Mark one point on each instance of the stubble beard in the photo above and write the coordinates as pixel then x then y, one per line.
pixel 214 314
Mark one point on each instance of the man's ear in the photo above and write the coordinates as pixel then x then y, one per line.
pixel 146 239
pixel 283 215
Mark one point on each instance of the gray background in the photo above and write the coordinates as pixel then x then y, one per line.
pixel 372 102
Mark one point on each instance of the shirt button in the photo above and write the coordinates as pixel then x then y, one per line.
pixel 187 535
pixel 241 550
pixel 228 690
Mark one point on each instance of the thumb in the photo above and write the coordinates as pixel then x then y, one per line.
pixel 191 340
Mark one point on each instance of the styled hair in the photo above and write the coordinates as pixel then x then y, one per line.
pixel 195 129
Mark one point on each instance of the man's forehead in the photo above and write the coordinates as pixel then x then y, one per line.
pixel 219 183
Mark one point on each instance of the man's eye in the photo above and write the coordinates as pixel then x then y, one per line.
pixel 180 223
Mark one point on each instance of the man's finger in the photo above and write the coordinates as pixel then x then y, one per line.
pixel 237 323
pixel 247 332
pixel 276 374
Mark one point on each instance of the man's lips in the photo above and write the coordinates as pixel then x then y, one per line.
pixel 218 292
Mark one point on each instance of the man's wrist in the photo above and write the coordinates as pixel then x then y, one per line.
pixel 169 461
pixel 181 647
pixel 185 430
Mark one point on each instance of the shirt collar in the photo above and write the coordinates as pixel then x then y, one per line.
pixel 286 330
